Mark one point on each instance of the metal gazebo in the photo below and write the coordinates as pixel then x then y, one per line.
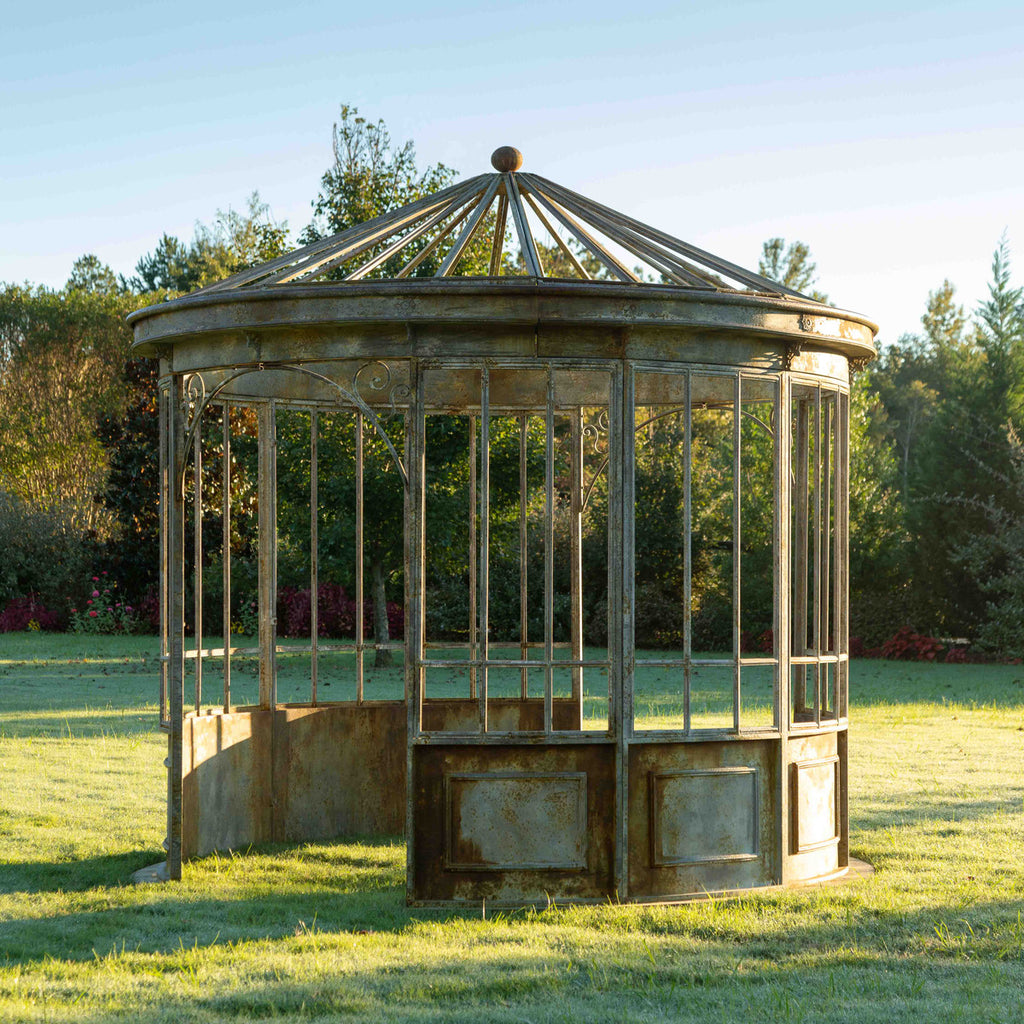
pixel 617 470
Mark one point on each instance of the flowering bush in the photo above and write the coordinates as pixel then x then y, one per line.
pixel 906 645
pixel 28 614
pixel 336 613
pixel 104 611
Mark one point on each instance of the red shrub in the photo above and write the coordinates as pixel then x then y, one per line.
pixel 22 611
pixel 906 645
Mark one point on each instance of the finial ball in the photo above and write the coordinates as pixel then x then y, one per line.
pixel 506 158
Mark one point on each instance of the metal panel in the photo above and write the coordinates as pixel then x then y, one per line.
pixel 814 803
pixel 515 821
pixel 700 816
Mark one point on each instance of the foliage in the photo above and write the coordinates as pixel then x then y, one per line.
pixel 29 613
pixel 336 613
pixel 61 353
pixel 371 176
pixel 995 556
pixel 232 243
pixel 791 266
pixel 105 610
pixel 40 553
pixel 132 492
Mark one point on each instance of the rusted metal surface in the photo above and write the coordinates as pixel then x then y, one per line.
pixel 513 823
pixel 702 818
pixel 291 774
pixel 817 822
pixel 504 714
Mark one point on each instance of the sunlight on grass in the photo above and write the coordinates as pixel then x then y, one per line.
pixel 320 931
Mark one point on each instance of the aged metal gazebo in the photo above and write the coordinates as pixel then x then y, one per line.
pixel 621 490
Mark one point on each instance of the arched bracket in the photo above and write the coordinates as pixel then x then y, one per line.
pixel 196 401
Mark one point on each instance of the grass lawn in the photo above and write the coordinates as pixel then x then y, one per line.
pixel 320 932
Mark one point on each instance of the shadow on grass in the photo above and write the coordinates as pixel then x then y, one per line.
pixel 74 875
pixel 944 813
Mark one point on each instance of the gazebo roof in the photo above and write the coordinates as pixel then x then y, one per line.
pixel 623 250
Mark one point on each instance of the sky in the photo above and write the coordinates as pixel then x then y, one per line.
pixel 887 136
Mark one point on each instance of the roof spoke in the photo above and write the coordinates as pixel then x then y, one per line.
pixel 527 246
pixel 475 220
pixel 748 277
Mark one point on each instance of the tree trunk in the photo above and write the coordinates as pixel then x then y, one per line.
pixel 382 658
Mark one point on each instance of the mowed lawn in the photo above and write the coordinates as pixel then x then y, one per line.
pixel 320 931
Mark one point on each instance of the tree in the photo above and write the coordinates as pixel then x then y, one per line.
pixel 232 243
pixel 371 176
pixel 61 353
pixel 790 266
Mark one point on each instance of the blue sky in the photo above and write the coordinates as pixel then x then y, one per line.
pixel 889 137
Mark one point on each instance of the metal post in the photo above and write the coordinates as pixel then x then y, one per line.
pixel 576 561
pixel 687 548
pixel 267 486
pixel 485 538
pixel 737 523
pixel 622 501
pixel 166 484
pixel 175 597
pixel 314 551
pixel 801 550
pixel 782 614
pixel 197 558
pixel 549 547
pixel 817 582
pixel 473 566
pixel 415 544
pixel 225 557
pixel 360 653
pixel 524 617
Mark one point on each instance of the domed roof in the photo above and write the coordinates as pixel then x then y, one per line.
pixel 588 239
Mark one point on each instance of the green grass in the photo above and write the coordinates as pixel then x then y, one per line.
pixel 320 931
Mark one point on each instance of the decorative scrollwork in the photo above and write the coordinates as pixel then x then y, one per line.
pixel 193 396
pixel 380 380
pixel 596 432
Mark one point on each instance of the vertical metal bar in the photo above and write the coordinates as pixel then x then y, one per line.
pixel 827 468
pixel 197 558
pixel 485 537
pixel 687 547
pixel 166 483
pixel 524 617
pixel 267 546
pixel 576 560
pixel 415 536
pixel 843 625
pixel 622 497
pixel 176 624
pixel 782 613
pixel 817 554
pixel 226 549
pixel 549 547
pixel 314 550
pixel 843 554
pixel 737 440
pixel 801 550
pixel 473 560
pixel 360 625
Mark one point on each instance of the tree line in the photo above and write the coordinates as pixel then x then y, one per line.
pixel 937 482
